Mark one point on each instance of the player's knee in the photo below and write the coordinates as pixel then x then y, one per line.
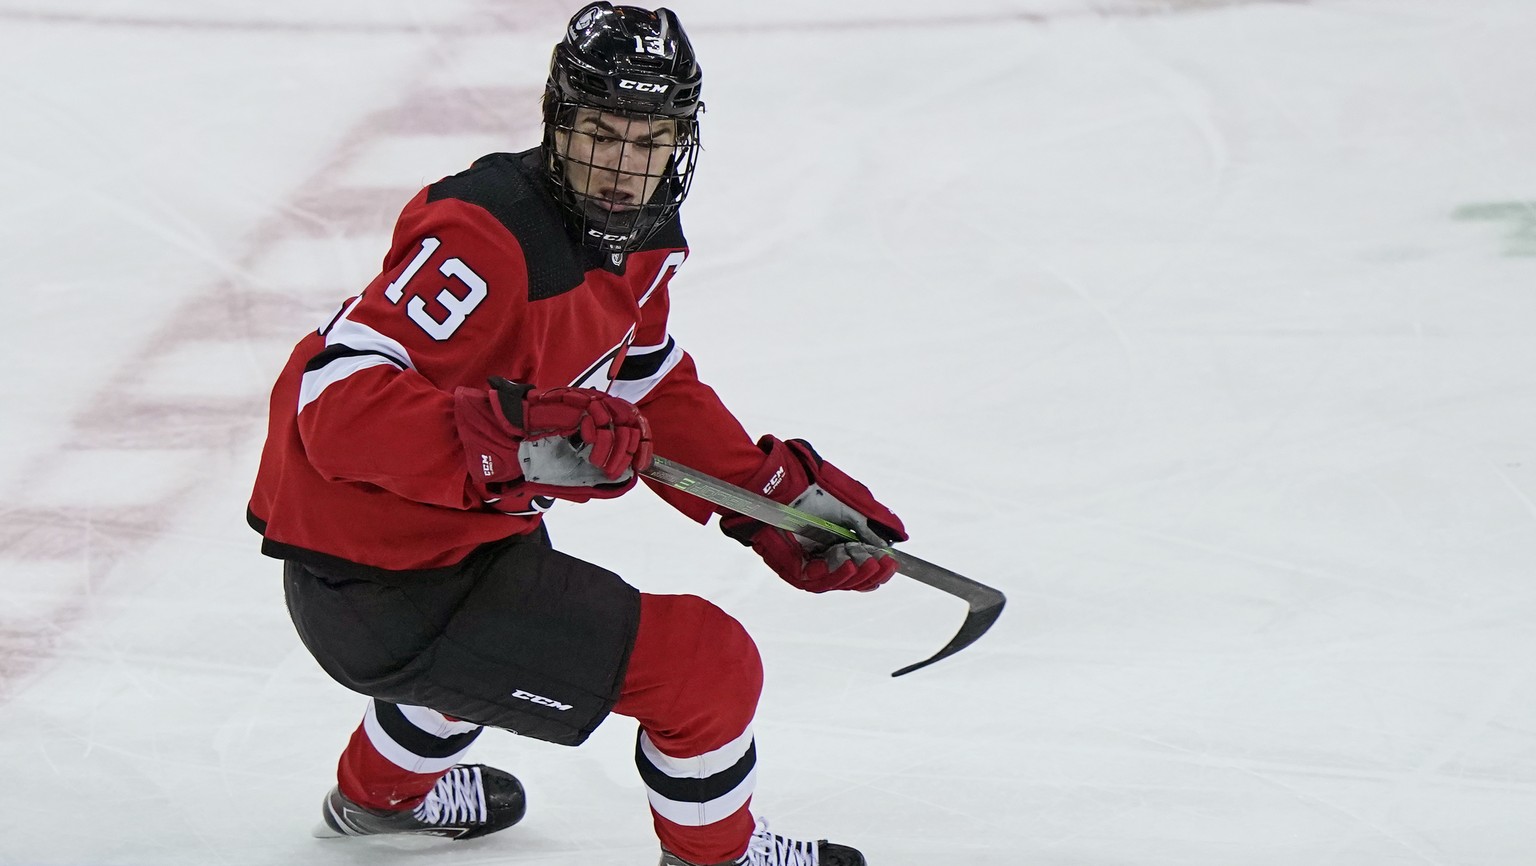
pixel 695 676
pixel 726 677
pixel 730 653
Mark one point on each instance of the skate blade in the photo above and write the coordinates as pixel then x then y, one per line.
pixel 323 830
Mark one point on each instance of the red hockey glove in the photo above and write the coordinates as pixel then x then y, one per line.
pixel 570 443
pixel 795 474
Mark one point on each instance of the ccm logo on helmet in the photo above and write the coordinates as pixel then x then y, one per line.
pixel 642 87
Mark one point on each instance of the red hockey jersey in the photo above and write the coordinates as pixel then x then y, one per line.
pixel 362 467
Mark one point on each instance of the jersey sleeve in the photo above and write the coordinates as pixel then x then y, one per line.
pixel 689 422
pixel 376 400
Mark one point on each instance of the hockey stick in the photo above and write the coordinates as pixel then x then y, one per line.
pixel 986 603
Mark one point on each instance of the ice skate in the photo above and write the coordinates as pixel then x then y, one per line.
pixel 471 800
pixel 768 849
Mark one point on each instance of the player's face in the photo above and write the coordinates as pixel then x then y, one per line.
pixel 614 160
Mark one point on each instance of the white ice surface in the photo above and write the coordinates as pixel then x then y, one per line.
pixel 1203 329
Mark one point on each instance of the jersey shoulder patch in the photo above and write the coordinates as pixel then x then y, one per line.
pixel 498 185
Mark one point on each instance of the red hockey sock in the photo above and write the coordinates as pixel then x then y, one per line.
pixel 398 753
pixel 699 844
pixel 693 681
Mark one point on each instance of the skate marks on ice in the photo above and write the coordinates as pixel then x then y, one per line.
pixel 191 398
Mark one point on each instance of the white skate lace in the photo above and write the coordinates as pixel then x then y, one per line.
pixel 457 798
pixel 766 849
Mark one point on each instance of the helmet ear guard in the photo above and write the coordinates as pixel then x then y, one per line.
pixel 635 71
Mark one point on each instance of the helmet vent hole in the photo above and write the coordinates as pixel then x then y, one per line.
pixel 587 82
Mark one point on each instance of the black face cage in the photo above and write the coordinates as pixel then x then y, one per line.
pixel 611 213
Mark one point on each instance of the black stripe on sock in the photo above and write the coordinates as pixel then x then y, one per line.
pixel 414 739
pixel 695 790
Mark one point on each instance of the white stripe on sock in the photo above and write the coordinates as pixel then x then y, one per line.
pixel 434 722
pixel 699 814
pixel 693 814
pixel 701 766
pixel 399 755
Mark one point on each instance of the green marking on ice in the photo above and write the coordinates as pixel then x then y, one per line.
pixel 1519 218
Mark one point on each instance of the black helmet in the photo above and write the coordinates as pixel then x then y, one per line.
pixel 627 59
pixel 621 122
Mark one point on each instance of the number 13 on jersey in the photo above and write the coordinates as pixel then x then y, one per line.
pixel 458 307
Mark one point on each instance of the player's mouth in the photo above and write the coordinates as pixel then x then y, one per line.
pixel 614 203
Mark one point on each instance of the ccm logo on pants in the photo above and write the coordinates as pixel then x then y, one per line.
pixel 540 700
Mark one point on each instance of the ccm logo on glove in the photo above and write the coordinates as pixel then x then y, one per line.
pixel 569 443
pixel 793 473
pixel 773 482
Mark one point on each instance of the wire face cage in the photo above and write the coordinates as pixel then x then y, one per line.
pixel 620 176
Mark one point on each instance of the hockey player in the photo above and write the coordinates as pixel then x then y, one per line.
pixel 512 352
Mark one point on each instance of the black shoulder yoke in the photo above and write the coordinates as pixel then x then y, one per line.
pixel 667 237
pixel 500 185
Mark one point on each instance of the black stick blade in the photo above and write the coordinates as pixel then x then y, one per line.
pixel 986 603
pixel 976 624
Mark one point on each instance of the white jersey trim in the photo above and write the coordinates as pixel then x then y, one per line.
pixel 315 382
pixel 635 390
pixel 345 332
pixel 669 265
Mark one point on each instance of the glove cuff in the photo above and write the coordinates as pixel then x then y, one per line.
pixel 784 474
pixel 509 397
pixel 782 477
pixel 490 442
pixel 740 528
